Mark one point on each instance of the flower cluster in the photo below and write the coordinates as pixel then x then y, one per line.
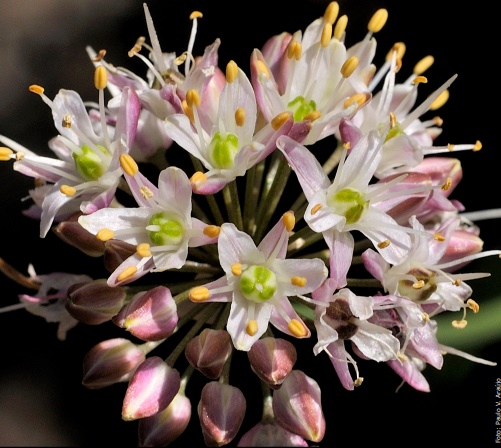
pixel 246 239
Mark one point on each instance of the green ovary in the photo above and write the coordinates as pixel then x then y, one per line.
pixel 89 164
pixel 350 203
pixel 300 108
pixel 222 150
pixel 258 283
pixel 171 230
pixel 393 132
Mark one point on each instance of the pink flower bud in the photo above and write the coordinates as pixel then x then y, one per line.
pixel 151 389
pixel 297 406
pixel 461 244
pixel 116 252
pixel 94 302
pixel 150 315
pixel 270 434
pixel 221 410
pixel 272 359
pixel 111 361
pixel 440 169
pixel 72 233
pixel 165 426
pixel 209 351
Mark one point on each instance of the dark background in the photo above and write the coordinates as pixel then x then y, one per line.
pixel 42 402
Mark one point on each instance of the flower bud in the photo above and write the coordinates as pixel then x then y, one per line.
pixel 72 233
pixel 221 411
pixel 297 406
pixel 94 302
pixel 440 169
pixel 151 389
pixel 111 361
pixel 165 426
pixel 116 252
pixel 272 359
pixel 150 315
pixel 269 433
pixel 209 351
pixel 461 244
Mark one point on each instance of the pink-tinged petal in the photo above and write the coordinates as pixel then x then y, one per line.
pixel 274 52
pixel 211 185
pixel 136 184
pixel 170 260
pixel 278 320
pixel 111 361
pixel 220 296
pixel 270 433
pixel 52 205
pixel 375 264
pixel 401 153
pixel 440 169
pixel 174 191
pixel 424 342
pixel 375 342
pixel 341 246
pixel 309 172
pixel 322 219
pixel 236 247
pixel 128 116
pixel 410 373
pixel 349 133
pixel 313 271
pixel 99 201
pixel 152 387
pixel 200 239
pixel 168 93
pixel 339 359
pixel 134 260
pixel 297 406
pixel 461 244
pixel 276 241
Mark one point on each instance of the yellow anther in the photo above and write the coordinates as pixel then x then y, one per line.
pixel 279 120
pixel 99 56
pixel 251 328
pixel 211 231
pixel 5 153
pixel 100 77
pixel 294 50
pixel 440 101
pixel 459 323
pixel 188 110
pixel 358 381
pixel 326 34
pixel 316 208
pixel 298 281
pixel 425 317
pixel 346 145
pixel 457 282
pixel 143 250
pixel 447 184
pixel 180 59
pixel 36 89
pixel 438 121
pixel 420 80
pixel 289 221
pixel 418 285
pixel 231 72
pixel 402 357
pixel 312 116
pixel 199 294
pixel 240 116
pixel 478 146
pixel 349 66
pixel 331 12
pixel 126 273
pixel 146 193
pixel 438 237
pixel 105 235
pixel 128 164
pixel 383 244
pixel 399 48
pixel 67 190
pixel 134 50
pixel 236 269
pixel 393 120
pixel 359 98
pixel 378 20
pixel 340 27
pixel 193 97
pixel 474 306
pixel 196 15
pixel 423 65
pixel 450 147
pixel 261 68
pixel 198 177
pixel 20 155
pixel 66 121
pixel 297 328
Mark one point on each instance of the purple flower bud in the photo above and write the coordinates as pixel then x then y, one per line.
pixel 297 406
pixel 165 426
pixel 270 434
pixel 221 410
pixel 272 359
pixel 151 389
pixel 72 233
pixel 150 315
pixel 116 252
pixel 440 169
pixel 209 351
pixel 111 361
pixel 94 302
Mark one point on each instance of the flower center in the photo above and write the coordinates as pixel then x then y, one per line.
pixel 339 316
pixel 349 203
pixel 420 290
pixel 88 164
pixel 394 131
pixel 222 150
pixel 258 283
pixel 300 108
pixel 168 229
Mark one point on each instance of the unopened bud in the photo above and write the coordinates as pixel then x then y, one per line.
pixel 270 434
pixel 442 170
pixel 116 252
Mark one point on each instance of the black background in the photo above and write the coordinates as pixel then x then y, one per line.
pixel 42 401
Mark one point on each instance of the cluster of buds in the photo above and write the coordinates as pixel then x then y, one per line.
pixel 209 253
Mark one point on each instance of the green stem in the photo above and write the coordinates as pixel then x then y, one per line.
pixel 232 202
pixel 253 180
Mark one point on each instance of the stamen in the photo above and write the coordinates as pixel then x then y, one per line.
pixel 340 27
pixel 211 231
pixel 326 34
pixel 128 164
pixel 438 237
pixel 297 328
pixel 359 98
pixel 198 177
pixel 423 65
pixel 193 98
pixel 420 80
pixel 457 282
pixel 99 56
pixel 440 101
pixel 66 122
pixel 478 146
pixel 251 328
pixel 105 234
pixel 199 294
pixel 378 20
pixel 146 193
pixel 126 273
pixel 425 317
pixel 393 120
pixel 349 66
pixel 261 68
pixel 236 269
pixel 298 281
pixel 383 244
pixel 5 153
pixel 312 116
pixel 36 89
pixel 279 120
pixel 418 285
pixel 331 12
pixel 474 306
pixel 316 208
pixel 240 116
pixel 196 15
pixel 188 111
pixel 67 190
pixel 447 184
pixel 100 77
pixel 399 48
pixel 289 221
pixel 460 324
pixel 358 381
pixel 402 357
pixel 231 72
pixel 450 147
pixel 143 250
pixel 294 50
pixel 346 145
